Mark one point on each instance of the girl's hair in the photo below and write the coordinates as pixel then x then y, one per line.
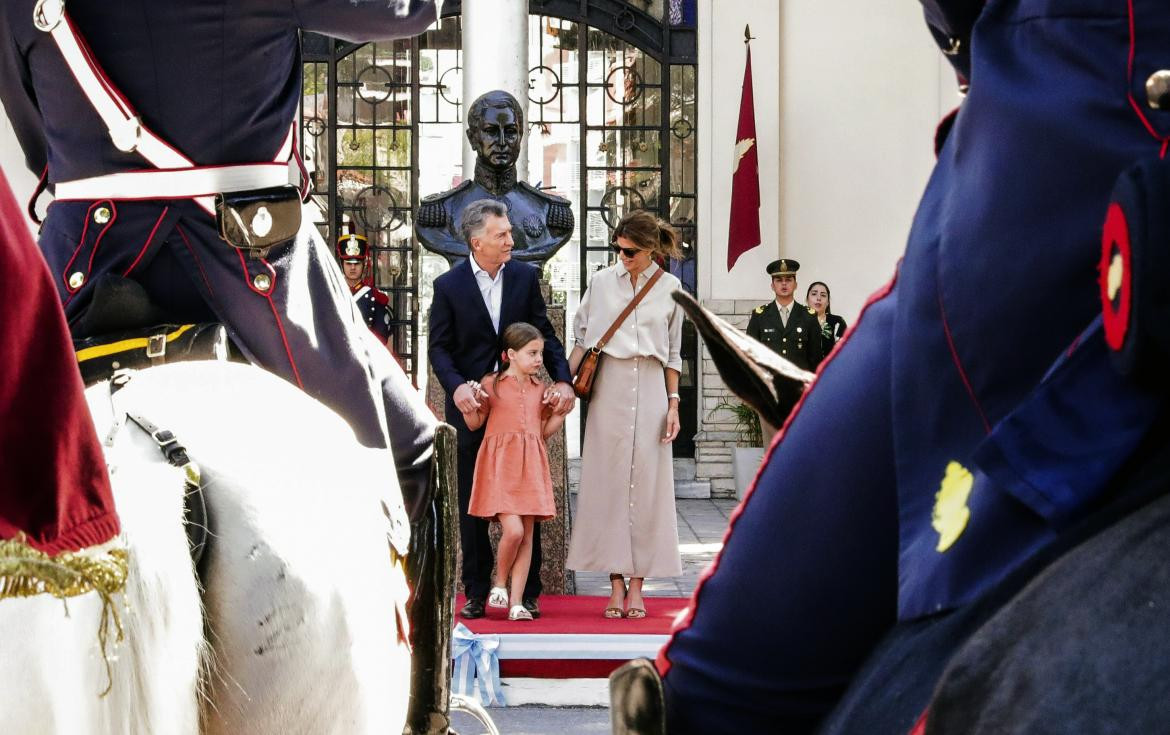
pixel 828 295
pixel 648 232
pixel 514 337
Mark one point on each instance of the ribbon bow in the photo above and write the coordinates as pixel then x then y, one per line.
pixel 477 666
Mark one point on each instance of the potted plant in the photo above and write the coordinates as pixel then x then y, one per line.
pixel 750 450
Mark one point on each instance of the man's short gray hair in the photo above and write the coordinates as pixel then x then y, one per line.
pixel 475 217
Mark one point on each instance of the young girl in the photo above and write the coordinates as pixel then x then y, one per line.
pixel 512 483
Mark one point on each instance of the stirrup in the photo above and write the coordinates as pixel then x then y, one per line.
pixel 637 702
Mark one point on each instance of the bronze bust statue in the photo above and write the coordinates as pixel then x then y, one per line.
pixel 541 222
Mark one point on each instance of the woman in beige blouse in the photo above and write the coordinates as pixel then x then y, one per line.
pixel 625 522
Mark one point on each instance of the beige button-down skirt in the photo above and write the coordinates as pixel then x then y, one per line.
pixel 625 519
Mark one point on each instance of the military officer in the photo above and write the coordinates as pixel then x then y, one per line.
pixel 134 165
pixel 960 449
pixel 784 324
pixel 373 304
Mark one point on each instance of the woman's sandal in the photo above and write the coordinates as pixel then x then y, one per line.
pixel 519 612
pixel 498 598
pixel 635 613
pixel 616 612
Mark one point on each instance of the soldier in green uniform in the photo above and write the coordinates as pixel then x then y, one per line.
pixel 787 326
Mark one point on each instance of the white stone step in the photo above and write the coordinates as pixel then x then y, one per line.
pixel 692 489
pixel 684 469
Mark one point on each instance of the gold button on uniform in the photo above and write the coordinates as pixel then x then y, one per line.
pixel 262 282
pixel 1158 90
pixel 101 215
pixel 76 279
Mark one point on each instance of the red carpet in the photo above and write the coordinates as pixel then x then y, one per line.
pixel 565 614
pixel 572 639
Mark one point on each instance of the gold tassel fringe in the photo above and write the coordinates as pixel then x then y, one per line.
pixel 26 572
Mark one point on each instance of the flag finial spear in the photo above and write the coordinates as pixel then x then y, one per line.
pixel 747 34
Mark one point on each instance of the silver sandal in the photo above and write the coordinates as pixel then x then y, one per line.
pixel 498 597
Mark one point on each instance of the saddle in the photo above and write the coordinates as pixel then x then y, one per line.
pixel 122 329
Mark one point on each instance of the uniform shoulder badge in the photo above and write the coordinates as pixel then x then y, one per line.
pixel 951 513
pixel 760 308
pixel 812 311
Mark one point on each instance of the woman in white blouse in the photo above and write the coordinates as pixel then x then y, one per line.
pixel 625 522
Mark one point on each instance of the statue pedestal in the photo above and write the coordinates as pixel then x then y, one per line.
pixel 554 534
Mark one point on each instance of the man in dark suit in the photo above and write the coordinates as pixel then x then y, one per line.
pixel 473 303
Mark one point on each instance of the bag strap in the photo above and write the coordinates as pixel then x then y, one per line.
pixel 626 311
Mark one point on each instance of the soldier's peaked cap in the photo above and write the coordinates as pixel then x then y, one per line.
pixel 783 267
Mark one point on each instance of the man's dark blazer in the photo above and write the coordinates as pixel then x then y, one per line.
pixel 463 346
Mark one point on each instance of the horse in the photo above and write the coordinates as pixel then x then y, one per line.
pixel 296 620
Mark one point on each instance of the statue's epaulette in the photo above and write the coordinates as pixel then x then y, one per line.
pixel 431 212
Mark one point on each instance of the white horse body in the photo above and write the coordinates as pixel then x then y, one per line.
pixel 300 598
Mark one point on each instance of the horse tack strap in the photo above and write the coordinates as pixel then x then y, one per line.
pixel 195 521
pixel 175 453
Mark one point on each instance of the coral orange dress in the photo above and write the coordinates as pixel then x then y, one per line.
pixel 511 470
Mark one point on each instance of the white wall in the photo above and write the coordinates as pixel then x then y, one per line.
pixel 12 163
pixel 847 97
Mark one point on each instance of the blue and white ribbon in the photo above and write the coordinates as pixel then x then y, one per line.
pixel 477 666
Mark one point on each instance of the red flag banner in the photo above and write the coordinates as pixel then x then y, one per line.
pixel 744 232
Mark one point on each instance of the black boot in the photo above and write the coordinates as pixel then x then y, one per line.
pixel 431 566
pixel 637 704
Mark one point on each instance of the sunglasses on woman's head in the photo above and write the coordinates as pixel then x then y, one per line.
pixel 628 252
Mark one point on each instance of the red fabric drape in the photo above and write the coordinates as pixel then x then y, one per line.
pixel 744 232
pixel 53 481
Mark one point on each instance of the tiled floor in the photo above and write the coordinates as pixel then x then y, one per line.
pixel 701 524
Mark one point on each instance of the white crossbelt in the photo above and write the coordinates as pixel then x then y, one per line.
pixel 195 183
pixel 177 176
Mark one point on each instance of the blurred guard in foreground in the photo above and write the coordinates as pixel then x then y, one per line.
pixel 167 134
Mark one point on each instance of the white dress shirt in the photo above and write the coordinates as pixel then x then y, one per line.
pixel 491 289
pixel 654 329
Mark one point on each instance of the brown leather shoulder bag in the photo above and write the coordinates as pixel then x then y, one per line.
pixel 587 370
